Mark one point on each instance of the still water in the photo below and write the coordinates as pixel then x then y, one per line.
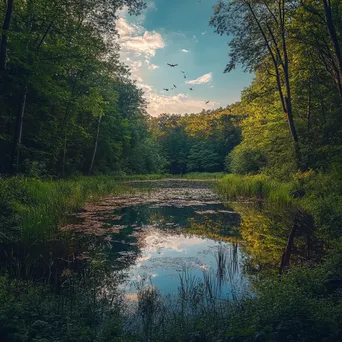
pixel 171 236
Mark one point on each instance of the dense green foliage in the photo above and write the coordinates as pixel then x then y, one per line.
pixel 196 142
pixel 304 306
pixel 293 49
pixel 67 105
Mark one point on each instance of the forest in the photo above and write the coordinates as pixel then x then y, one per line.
pixel 74 127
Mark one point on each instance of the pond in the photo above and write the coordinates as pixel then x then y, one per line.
pixel 169 235
pixel 177 237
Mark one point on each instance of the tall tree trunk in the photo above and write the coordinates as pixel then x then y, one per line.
pixel 95 146
pixel 334 41
pixel 288 96
pixel 19 132
pixel 309 107
pixel 65 124
pixel 4 36
pixel 64 151
pixel 280 58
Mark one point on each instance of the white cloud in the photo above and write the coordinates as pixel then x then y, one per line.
pixel 146 44
pixel 126 29
pixel 153 67
pixel 206 78
pixel 138 47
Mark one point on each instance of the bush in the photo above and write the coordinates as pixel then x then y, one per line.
pixel 245 160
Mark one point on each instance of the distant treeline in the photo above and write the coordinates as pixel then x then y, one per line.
pixel 196 142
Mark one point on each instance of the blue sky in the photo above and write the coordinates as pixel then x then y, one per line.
pixel 177 32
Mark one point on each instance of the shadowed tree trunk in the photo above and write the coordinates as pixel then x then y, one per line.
pixel 305 223
pixel 65 124
pixel 309 107
pixel 335 43
pixel 19 132
pixel 285 259
pixel 4 36
pixel 95 145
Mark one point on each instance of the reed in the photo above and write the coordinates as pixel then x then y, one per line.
pixel 258 187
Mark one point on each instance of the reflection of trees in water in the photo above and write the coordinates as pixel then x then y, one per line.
pixel 274 235
pixel 218 226
pixel 160 215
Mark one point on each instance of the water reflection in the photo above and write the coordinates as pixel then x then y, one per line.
pixel 178 238
pixel 266 230
pixel 171 261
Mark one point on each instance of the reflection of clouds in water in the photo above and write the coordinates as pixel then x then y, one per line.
pixel 131 296
pixel 166 251
pixel 204 267
pixel 141 259
pixel 156 241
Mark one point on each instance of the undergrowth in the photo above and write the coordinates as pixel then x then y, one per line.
pixel 232 187
pixel 304 306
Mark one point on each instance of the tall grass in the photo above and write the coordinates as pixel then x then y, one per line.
pixel 40 207
pixel 233 187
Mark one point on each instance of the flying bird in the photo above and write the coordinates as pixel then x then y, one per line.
pixel 191 88
pixel 174 86
pixel 207 102
pixel 184 76
pixel 172 65
pixel 183 71
pixel 166 89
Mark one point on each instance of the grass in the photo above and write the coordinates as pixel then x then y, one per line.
pixel 41 207
pixel 33 209
pixel 232 187
pixel 304 306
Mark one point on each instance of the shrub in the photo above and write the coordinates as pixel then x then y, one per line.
pixel 245 160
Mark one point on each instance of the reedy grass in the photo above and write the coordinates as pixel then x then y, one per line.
pixel 41 207
pixel 232 187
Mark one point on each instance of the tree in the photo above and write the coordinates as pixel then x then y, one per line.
pixel 259 30
pixel 59 56
pixel 4 36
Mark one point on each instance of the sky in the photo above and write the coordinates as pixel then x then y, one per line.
pixel 178 32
